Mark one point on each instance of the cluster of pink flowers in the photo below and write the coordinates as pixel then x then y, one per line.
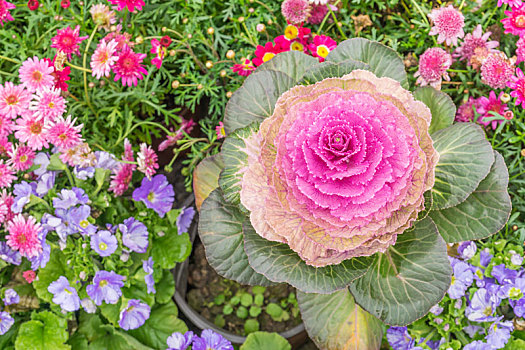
pixel 4 11
pixel 299 11
pixel 485 107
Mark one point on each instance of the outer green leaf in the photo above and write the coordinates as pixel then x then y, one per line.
pixel 279 263
pixel 291 63
pixel 116 340
pixel 171 248
pixel 89 326
pixel 206 178
pixel 428 206
pixel 255 99
pixel 336 322
pixel 441 105
pixel 234 155
pixel 56 267
pixel 383 61
pixel 220 230
pixel 483 213
pixel 78 342
pixel 165 288
pixel 331 70
pixel 45 331
pixel 265 341
pixel 405 282
pixel 465 158
pixel 515 344
pixel 111 312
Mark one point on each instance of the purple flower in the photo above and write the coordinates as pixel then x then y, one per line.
pixel 106 287
pixel 41 260
pixel 69 198
pixel 11 297
pixel 134 315
pixel 516 259
pixel 105 160
pixel 179 341
pixel 485 257
pixel 88 305
pixel 45 183
pixel 147 265
pixel 209 340
pixel 504 275
pixel 134 235
pixel 399 339
pixel 436 310
pixel 41 159
pixel 518 307
pixel 22 192
pixel 104 243
pixel 476 345
pixel 461 279
pixel 64 295
pixel 499 334
pixel 467 250
pixel 156 193
pixel 482 306
pixel 9 255
pixel 79 219
pixel 84 173
pixel 6 321
pixel 184 219
pixel 472 330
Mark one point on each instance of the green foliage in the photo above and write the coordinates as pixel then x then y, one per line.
pixel 265 341
pixel 45 331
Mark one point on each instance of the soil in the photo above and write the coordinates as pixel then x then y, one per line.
pixel 204 284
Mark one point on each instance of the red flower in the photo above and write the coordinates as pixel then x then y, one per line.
pixel 61 76
pixel 244 69
pixel 322 46
pixel 65 3
pixel 29 275
pixel 269 50
pixel 165 41
pixel 33 4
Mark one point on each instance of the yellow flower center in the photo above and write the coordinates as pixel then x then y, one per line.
pixel 11 100
pixel 51 105
pixel 520 21
pixel 67 291
pixel 323 51
pixel 103 283
pixel 268 56
pixel 84 223
pixel 297 46
pixel 23 158
pixel 103 246
pixel 37 76
pixel 291 32
pixel 151 196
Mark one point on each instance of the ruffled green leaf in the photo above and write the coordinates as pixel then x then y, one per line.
pixel 116 340
pixel 441 106
pixel 328 69
pixel 206 178
pixel 45 331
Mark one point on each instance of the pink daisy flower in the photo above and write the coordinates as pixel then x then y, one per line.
pixel 473 41
pixel 30 129
pixel 3 212
pixel 36 74
pixel 67 40
pixel 6 174
pixel 80 155
pixel 517 84
pixel 322 46
pixel 7 199
pixel 512 3
pixel 491 104
pixel 130 4
pixel 104 58
pixel 186 126
pixel 48 103
pixel 448 25
pixel 14 99
pixel 129 67
pixel 159 51
pixel 21 157
pixel 63 133
pixel 4 11
pixel 244 69
pixel 61 75
pixel 520 50
pixel 515 22
pixel 497 70
pixel 5 145
pixel 317 13
pixel 295 11
pixel 219 130
pixel 147 161
pixel 466 110
pixel 6 125
pixel 433 65
pixel 122 176
pixel 23 236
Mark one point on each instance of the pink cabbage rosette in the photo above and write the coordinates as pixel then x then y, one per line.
pixel 340 168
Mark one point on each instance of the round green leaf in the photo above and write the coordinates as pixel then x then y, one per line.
pixel 265 341
pixel 465 158
pixel 220 230
pixel 171 248
pixel 45 331
pixel 411 277
pixel 483 213
pixel 336 322
pixel 291 63
pixel 383 61
pixel 206 178
pixel 279 264
pixel 331 70
pixel 441 106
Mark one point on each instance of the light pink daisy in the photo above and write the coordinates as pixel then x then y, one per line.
pixel 6 125
pixel 433 65
pixel 473 41
pixel 517 84
pixel 496 70
pixel 14 99
pixel 122 175
pixel 21 157
pixel 5 145
pixel 520 50
pixel 63 133
pixel 7 199
pixel 23 236
pixel 130 4
pixel 295 11
pixel 4 11
pixel 511 3
pixel 448 25
pixel 3 212
pixel 6 174
pixel 80 155
pixel 491 104
pixel 67 41
pixel 30 129
pixel 36 74
pixel 147 160
pixel 515 22
pixel 103 58
pixel 48 103
pixel 129 67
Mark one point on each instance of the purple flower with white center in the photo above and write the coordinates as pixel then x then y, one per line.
pixel 461 279
pixel 84 173
pixel 209 340
pixel 518 307
pixel 504 275
pixel 45 183
pixel 476 345
pixel 134 235
pixel 485 257
pixel 467 250
pixel 106 160
pixel 106 287
pixel 134 315
pixel 499 334
pixel 156 193
pixel 41 159
pixel 22 192
pixel 9 255
pixel 64 295
pixel 516 259
pixel 104 243
pixel 69 198
pixel 79 219
pixel 88 305
pixel 41 260
pixel 147 265
pixel 179 341
pixel 59 223
pixel 472 330
pixel 11 297
pixel 6 321
pixel 184 219
pixel 482 306
pixel 436 310
pixel 399 339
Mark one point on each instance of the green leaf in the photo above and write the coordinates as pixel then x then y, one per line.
pixel 234 155
pixel 171 249
pixel 255 99
pixel 331 70
pixel 279 263
pixel 206 178
pixel 165 287
pixel 45 331
pixel 291 63
pixel 220 230
pixel 251 326
pixel 428 205
pixel 383 61
pixel 515 344
pixel 265 341
pixel 465 158
pixel 111 312
pixel 162 322
pixel 116 340
pixel 55 163
pixel 441 106
pixel 336 322
pixel 56 267
pixel 411 277
pixel 89 325
pixel 483 213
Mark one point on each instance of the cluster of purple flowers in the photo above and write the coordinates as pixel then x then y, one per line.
pixel 209 340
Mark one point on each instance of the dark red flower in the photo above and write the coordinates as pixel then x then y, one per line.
pixel 165 41
pixel 65 3
pixel 33 4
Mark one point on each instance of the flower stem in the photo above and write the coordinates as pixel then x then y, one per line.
pixel 78 68
pixel 9 59
pixel 84 59
pixel 458 70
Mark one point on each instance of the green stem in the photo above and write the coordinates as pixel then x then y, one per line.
pixel 461 5
pixel 84 60
pixel 78 67
pixel 8 74
pixel 458 70
pixel 322 24
pixel 136 126
pixel 9 59
pixel 337 23
pixel 69 176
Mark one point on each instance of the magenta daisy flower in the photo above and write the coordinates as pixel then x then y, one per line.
pixel 244 69
pixel 6 174
pixel 147 160
pixel 448 25
pixel 473 41
pixel 103 58
pixel 159 51
pixel 511 3
pixel 517 84
pixel 322 46
pixel 433 65
pixel 14 99
pixel 520 50
pixel 63 133
pixel 30 129
pixel 129 67
pixel 48 103
pixel 67 40
pixel 7 199
pixel 491 104
pixel 497 70
pixel 4 11
pixel 515 22
pixel 21 157
pixel 36 74
pixel 23 236
pixel 6 125
pixel 129 4
pixel 466 110
pixel 5 145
